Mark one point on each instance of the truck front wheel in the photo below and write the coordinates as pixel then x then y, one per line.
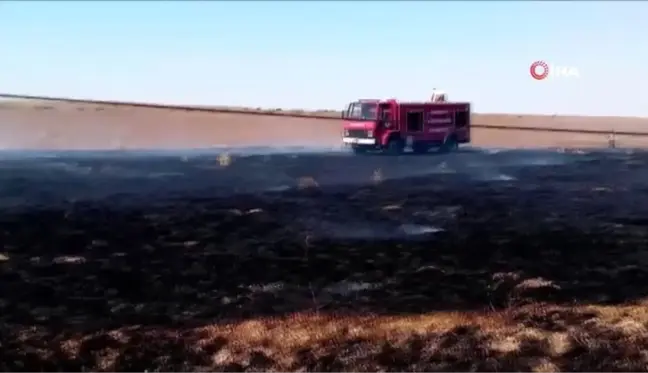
pixel 358 149
pixel 394 147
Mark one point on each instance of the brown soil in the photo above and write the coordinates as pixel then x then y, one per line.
pixel 56 125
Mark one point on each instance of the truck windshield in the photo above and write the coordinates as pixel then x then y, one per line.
pixel 362 110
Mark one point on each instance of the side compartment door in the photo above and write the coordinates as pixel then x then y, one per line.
pixel 413 125
pixel 462 124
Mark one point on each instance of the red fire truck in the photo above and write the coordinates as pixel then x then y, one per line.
pixel 391 126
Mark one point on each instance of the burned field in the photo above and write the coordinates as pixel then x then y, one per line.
pixel 477 261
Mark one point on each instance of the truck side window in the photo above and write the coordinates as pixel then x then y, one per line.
pixel 386 118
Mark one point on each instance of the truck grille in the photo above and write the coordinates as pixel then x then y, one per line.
pixel 358 133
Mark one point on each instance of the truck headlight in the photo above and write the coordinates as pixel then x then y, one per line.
pixel 370 133
pixel 346 132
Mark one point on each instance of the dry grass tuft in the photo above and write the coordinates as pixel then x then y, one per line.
pixel 441 341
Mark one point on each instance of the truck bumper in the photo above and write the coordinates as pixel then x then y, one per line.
pixel 353 140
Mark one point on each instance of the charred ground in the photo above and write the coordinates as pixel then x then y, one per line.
pixel 474 261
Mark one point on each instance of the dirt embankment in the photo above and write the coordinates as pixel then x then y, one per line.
pixel 56 125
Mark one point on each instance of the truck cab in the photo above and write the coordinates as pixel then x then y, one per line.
pixel 394 127
pixel 363 123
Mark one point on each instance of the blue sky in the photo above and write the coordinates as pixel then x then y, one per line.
pixel 324 54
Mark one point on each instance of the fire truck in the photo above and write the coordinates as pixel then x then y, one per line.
pixel 393 127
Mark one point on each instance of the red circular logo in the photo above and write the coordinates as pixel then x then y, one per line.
pixel 539 70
